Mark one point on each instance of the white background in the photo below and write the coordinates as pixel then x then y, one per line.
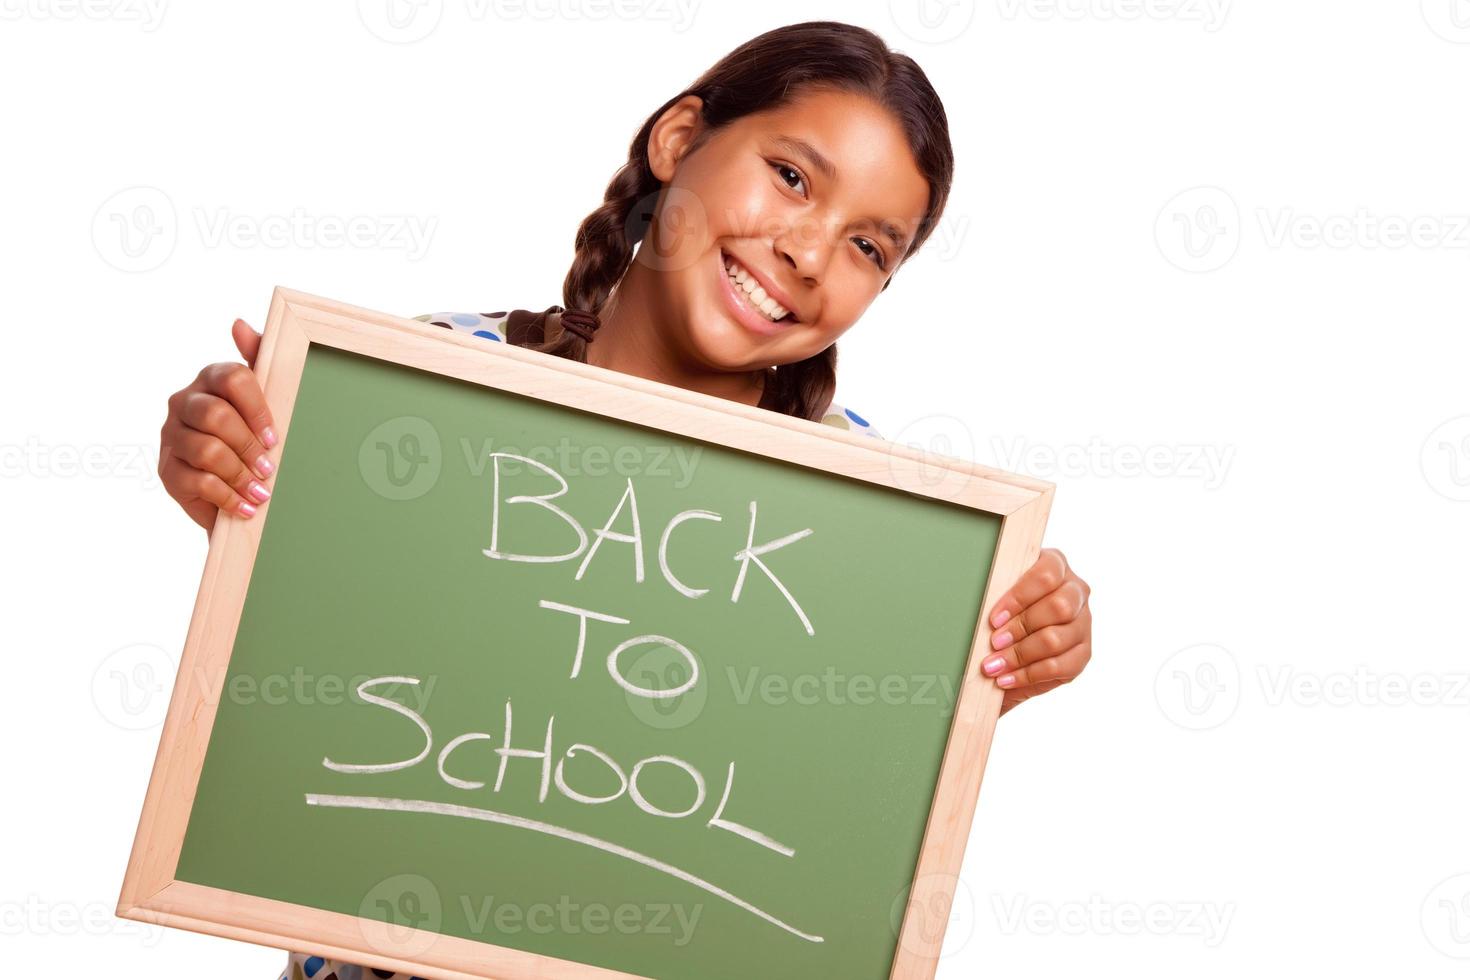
pixel 1229 239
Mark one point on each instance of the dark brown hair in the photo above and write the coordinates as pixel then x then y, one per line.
pixel 767 72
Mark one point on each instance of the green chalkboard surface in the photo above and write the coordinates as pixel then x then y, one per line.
pixel 740 793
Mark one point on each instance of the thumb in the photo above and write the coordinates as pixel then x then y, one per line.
pixel 246 340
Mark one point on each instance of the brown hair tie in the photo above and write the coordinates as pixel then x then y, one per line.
pixel 580 322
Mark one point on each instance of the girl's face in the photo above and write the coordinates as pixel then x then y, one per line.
pixel 817 201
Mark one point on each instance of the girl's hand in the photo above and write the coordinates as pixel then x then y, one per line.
pixel 212 448
pixel 1047 638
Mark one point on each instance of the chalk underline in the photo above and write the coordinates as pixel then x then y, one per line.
pixel 551 830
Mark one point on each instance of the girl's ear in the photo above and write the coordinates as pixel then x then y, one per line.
pixel 673 135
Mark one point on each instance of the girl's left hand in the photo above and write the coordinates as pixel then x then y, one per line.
pixel 1047 638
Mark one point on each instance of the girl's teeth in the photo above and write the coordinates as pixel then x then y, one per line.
pixel 758 298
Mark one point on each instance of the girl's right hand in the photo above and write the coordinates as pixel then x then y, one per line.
pixel 212 448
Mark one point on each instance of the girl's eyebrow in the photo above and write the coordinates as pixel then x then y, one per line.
pixel 813 156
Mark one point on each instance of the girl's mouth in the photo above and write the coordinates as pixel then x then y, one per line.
pixel 747 308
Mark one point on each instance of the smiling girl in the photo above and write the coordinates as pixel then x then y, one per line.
pixel 761 211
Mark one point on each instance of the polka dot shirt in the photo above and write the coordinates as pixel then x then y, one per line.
pixel 490 327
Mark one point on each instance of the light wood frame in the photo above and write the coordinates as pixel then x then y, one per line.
pixel 150 891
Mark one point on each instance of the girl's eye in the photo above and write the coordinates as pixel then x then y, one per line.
pixel 876 254
pixel 780 167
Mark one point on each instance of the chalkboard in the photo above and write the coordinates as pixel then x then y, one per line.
pixel 557 675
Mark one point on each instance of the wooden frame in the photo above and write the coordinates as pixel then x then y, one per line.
pixel 150 891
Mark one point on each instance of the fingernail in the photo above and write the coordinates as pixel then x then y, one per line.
pixel 265 466
pixel 1006 680
pixel 993 665
pixel 247 510
pixel 268 436
pixel 1000 618
pixel 1001 640
pixel 260 493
